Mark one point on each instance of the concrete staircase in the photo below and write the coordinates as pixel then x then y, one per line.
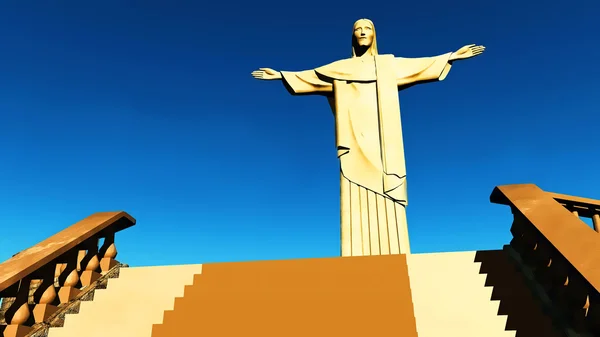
pixel 130 304
pixel 349 296
pixel 424 295
pixel 450 297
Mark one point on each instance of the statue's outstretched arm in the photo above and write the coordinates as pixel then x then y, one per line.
pixel 411 71
pixel 266 74
pixel 467 52
pixel 305 82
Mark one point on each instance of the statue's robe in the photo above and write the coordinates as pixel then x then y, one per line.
pixel 363 94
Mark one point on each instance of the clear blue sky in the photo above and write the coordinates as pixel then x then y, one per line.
pixel 149 107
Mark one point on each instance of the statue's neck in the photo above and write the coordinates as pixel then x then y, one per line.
pixel 361 51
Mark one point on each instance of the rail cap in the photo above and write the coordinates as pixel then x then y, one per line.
pixel 578 243
pixel 28 261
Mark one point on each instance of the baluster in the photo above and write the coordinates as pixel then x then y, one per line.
pixel 517 229
pixel 7 301
pixel 18 315
pixel 579 318
pixel 45 296
pixel 530 239
pixel 60 267
pixel 596 222
pixel 90 263
pixel 69 278
pixel 559 278
pixel 544 260
pixel 592 317
pixel 576 298
pixel 108 251
pixel 80 256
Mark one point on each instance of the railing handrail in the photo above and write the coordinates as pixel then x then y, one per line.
pixel 575 241
pixel 36 257
pixel 584 206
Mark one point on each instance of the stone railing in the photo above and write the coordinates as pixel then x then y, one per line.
pixel 559 250
pixel 582 207
pixel 39 281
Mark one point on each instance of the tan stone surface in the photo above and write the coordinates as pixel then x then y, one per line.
pixel 371 223
pixel 352 296
pixel 363 93
pixel 450 297
pixel 130 304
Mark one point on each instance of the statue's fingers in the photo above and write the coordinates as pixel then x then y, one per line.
pixel 263 69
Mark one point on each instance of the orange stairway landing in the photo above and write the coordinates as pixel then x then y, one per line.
pixel 342 296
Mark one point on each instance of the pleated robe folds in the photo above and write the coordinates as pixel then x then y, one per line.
pixel 363 94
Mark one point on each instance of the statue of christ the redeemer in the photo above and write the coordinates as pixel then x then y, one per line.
pixel 363 94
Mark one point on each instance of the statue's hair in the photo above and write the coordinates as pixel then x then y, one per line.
pixel 373 48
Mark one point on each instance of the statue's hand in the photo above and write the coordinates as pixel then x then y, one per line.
pixel 266 74
pixel 466 52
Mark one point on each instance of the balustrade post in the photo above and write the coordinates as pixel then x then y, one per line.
pixel 80 256
pixel 45 296
pixel 596 222
pixel 18 315
pixel 108 251
pixel 69 278
pixel 592 316
pixel 90 263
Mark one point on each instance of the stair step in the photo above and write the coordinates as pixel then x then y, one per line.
pixel 131 304
pixel 355 296
pixel 451 299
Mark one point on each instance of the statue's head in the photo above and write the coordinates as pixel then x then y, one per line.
pixel 364 39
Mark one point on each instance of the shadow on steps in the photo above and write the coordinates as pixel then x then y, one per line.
pixel 524 311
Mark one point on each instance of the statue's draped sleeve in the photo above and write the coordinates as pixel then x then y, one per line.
pixel 422 69
pixel 305 83
pixel 363 93
pixel 392 73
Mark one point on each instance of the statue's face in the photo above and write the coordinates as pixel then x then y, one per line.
pixel 363 32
